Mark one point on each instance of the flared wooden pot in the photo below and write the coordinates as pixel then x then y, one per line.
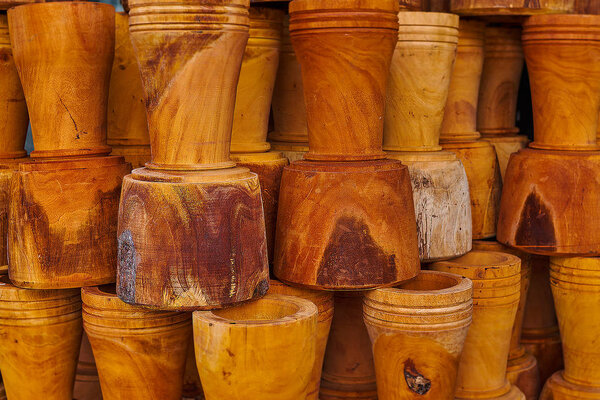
pixel 555 216
pixel 576 290
pixel 73 42
pixel 324 303
pixel 460 116
pixel 511 7
pixel 40 333
pixel 563 61
pixel 505 146
pixel 139 353
pixel 127 124
pixel 419 81
pixel 87 383
pixel 348 368
pixel 496 289
pixel 502 67
pixel 419 327
pixel 263 349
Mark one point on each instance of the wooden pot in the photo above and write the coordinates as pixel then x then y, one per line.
pixel 40 334
pixel 505 146
pixel 460 116
pixel 563 61
pixel 485 184
pixel 348 368
pixel 419 81
pixel 192 387
pixel 87 383
pixel 587 7
pixel 6 4
pixel 413 5
pixel 551 216
pixel 511 7
pixel 275 335
pixel 502 68
pixel 496 289
pixel 439 6
pixel 139 353
pixel 67 118
pixel 324 303
pixel 127 124
pixel 419 327
pixel 576 290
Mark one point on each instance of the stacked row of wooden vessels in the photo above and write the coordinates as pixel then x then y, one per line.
pixel 391 118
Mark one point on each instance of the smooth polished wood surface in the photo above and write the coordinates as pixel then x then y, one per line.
pixel 511 7
pixel 505 146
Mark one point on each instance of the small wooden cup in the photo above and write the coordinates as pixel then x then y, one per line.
pixel 511 7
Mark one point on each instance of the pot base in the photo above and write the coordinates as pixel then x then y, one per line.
pixel 557 388
pixel 513 393
pixel 137 155
pixel 523 372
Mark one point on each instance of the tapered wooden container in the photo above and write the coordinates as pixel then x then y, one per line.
pixel 511 7
pixel 576 290
pixel 87 383
pixel 419 327
pixel 505 146
pixel 263 349
pixel 348 369
pixel 40 334
pixel 139 353
pixel 192 387
pixel 190 79
pixel 496 290
pixel 587 7
pixel 127 132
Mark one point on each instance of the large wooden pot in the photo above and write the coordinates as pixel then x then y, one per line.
pixel 139 353
pixel 419 327
pixel 263 349
pixel 496 290
pixel 511 7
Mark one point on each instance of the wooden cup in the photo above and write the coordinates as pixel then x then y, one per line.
pixel 496 290
pixel 87 383
pixel 419 327
pixel 263 349
pixel 138 353
pixel 511 7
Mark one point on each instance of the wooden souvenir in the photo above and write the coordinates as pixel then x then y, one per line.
pixel 511 7
pixel 576 290
pixel 40 334
pixel 496 289
pixel 505 146
pixel 259 350
pixel 348 369
pixel 522 370
pixel 87 384
pixel 127 132
pixel 460 116
pixel 139 353
pixel 419 327
pixel 357 244
pixel 563 61
pixel 175 212
pixel 324 303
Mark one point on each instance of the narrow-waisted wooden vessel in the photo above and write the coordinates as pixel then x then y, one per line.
pixel 576 290
pixel 496 290
pixel 87 383
pixel 263 349
pixel 348 368
pixel 324 303
pixel 139 353
pixel 511 7
pixel 418 330
pixel 505 146
pixel 40 334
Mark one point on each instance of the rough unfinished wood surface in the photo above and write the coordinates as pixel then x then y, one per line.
pixel 511 7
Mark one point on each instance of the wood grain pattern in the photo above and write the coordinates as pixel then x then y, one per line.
pixel 418 330
pixel 275 335
pixel 192 387
pixel 139 353
pixel 587 7
pixel 87 383
pixel 40 334
pixel 6 4
pixel 505 146
pixel 439 6
pixel 511 7
pixel 69 41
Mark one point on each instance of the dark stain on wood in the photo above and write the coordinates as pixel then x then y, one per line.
pixel 535 225
pixel 127 258
pixel 414 380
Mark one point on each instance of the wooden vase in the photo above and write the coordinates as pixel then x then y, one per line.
pixel 496 289
pixel 275 335
pixel 139 353
pixel 511 7
pixel 40 334
pixel 324 303
pixel 505 146
pixel 355 245
pixel 576 290
pixel 87 383
pixel 348 368
pixel 127 132
pixel 200 194
pixel 419 327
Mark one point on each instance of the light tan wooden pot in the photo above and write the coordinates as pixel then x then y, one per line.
pixel 263 349
pixel 418 330
pixel 87 383
pixel 496 290
pixel 505 146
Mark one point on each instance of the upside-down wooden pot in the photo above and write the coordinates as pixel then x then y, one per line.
pixel 139 353
pixel 496 290
pixel 40 334
pixel 348 368
pixel 263 349
pixel 87 383
pixel 324 302
pixel 419 328
pixel 576 290
pixel 511 7
pixel 358 243
pixel 175 212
